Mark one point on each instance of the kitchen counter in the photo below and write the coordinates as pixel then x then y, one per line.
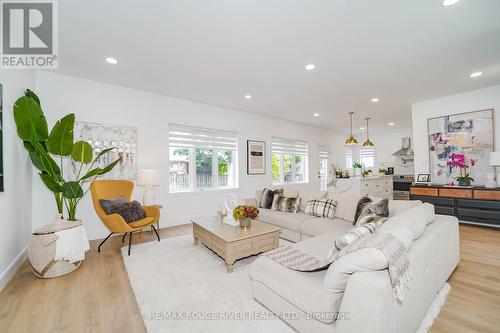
pixel 376 186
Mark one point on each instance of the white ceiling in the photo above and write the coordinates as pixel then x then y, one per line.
pixel 216 51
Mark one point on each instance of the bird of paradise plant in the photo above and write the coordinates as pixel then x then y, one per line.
pixel 45 148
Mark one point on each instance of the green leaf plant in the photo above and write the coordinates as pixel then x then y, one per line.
pixel 45 148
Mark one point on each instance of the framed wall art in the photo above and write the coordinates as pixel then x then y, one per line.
pixel 470 135
pixel 256 157
pixel 102 136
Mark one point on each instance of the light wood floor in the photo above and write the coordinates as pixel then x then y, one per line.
pixel 98 297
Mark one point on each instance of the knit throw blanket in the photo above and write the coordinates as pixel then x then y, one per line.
pixel 394 251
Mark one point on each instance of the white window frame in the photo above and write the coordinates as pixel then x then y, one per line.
pixel 193 138
pixel 349 157
pixel 365 153
pixel 292 147
pixel 324 155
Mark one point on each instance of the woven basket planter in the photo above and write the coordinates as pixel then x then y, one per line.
pixel 42 251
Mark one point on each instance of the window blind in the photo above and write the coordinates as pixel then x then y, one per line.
pixel 367 157
pixel 191 137
pixel 348 157
pixel 324 152
pixel 289 146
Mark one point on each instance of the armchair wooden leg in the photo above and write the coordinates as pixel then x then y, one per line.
pixel 105 239
pixel 124 235
pixel 129 242
pixel 156 232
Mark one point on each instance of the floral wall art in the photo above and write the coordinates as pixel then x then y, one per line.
pixel 102 136
pixel 466 137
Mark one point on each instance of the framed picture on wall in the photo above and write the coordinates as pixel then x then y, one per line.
pixel 256 157
pixel 468 136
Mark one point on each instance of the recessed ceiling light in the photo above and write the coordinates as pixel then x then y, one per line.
pixel 362 128
pixel 375 100
pixel 391 124
pixel 316 114
pixel 310 67
pixel 248 96
pixel 111 61
pixel 476 74
pixel 447 3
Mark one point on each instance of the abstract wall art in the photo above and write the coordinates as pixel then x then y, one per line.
pixel 470 134
pixel 102 136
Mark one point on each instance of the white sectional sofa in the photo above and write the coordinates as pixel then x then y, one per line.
pixel 361 295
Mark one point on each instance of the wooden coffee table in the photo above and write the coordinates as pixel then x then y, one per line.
pixel 233 243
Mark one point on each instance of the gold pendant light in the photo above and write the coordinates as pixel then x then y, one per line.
pixel 351 141
pixel 368 143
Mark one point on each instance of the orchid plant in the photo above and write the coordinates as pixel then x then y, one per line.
pixel 459 160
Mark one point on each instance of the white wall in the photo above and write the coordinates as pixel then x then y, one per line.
pixel 470 101
pixel 387 142
pixel 151 113
pixel 15 201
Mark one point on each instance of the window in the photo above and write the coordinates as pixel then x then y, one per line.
pixel 202 159
pixel 289 161
pixel 367 157
pixel 324 155
pixel 348 157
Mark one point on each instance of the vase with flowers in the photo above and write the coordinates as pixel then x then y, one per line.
pixel 244 214
pixel 462 162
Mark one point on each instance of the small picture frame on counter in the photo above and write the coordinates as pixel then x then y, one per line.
pixel 423 178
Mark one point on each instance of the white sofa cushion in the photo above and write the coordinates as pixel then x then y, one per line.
pixel 397 207
pixel 362 260
pixel 307 195
pixel 285 220
pixel 305 290
pixel 430 214
pixel 346 205
pixel 319 225
pixel 414 218
pixel 403 234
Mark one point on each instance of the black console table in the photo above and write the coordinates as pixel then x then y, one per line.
pixel 476 205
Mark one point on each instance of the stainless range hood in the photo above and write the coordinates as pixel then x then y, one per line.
pixel 405 153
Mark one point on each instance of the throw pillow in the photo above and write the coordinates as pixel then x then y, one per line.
pixel 130 211
pixel 268 196
pixel 321 208
pixel 361 204
pixel 353 235
pixel 376 213
pixel 108 204
pixel 285 204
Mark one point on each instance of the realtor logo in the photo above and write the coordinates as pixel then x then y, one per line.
pixel 29 34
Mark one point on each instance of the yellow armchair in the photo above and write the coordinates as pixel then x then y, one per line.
pixel 110 189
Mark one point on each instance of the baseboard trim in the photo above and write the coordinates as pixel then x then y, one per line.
pixel 9 272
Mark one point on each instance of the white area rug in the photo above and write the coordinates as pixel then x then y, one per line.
pixel 175 283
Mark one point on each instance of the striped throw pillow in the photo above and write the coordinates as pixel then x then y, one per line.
pixel 321 208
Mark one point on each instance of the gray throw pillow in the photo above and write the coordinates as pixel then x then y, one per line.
pixel 108 204
pixel 376 213
pixel 268 196
pixel 361 204
pixel 130 211
pixel 284 204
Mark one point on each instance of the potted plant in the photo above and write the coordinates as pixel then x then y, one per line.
pixel 459 160
pixel 244 214
pixel 357 168
pixel 44 149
